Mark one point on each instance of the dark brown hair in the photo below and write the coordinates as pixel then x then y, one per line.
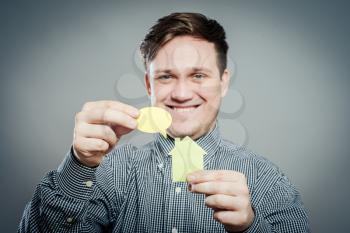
pixel 180 24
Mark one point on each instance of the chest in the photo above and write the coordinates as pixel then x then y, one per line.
pixel 156 204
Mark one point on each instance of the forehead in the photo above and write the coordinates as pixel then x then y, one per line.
pixel 185 52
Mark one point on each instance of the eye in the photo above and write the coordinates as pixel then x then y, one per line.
pixel 164 77
pixel 198 76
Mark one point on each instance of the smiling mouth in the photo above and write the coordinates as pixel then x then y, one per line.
pixel 182 109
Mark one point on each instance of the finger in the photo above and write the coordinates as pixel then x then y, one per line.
pixel 128 109
pixel 235 219
pixel 211 175
pixel 120 130
pixel 90 146
pixel 107 116
pixel 93 160
pixel 103 132
pixel 220 187
pixel 226 202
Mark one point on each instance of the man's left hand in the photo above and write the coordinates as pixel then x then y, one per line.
pixel 227 194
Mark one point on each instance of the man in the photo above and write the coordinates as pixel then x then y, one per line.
pixel 100 187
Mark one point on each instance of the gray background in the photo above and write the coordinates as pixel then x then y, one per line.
pixel 288 102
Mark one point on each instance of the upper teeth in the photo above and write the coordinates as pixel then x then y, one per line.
pixel 187 109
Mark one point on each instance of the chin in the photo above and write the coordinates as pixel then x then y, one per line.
pixel 183 129
pixel 180 131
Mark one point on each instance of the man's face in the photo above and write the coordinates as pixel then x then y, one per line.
pixel 184 79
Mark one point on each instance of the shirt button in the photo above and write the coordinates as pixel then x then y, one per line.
pixel 174 230
pixel 69 220
pixel 178 189
pixel 160 166
pixel 89 183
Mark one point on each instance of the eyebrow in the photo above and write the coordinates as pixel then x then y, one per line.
pixel 193 69
pixel 167 71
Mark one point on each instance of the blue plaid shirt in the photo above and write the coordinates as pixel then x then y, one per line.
pixel 132 191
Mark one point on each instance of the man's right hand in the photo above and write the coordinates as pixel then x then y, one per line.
pixel 98 128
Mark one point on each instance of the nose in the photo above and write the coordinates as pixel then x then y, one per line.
pixel 182 91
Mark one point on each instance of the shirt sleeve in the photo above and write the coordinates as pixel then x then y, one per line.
pixel 280 210
pixel 70 199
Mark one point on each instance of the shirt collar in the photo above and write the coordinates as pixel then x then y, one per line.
pixel 209 143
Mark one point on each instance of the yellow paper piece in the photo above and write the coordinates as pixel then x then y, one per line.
pixel 187 157
pixel 153 120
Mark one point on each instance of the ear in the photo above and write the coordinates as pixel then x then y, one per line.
pixel 147 83
pixel 225 82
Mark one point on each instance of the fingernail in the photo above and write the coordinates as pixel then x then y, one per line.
pixel 135 112
pixel 190 187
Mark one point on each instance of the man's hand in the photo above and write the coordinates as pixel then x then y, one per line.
pixel 227 194
pixel 98 128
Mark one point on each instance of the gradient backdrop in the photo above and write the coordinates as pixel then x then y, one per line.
pixel 288 100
